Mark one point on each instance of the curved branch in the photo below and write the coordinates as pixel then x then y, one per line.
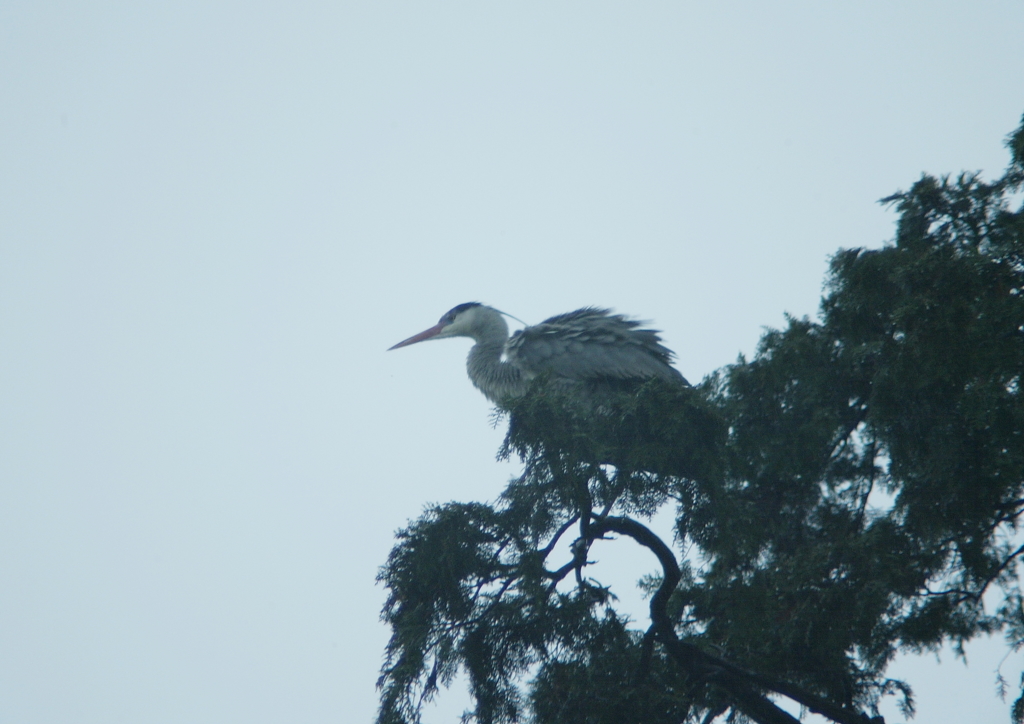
pixel 735 680
pixel 692 659
pixel 546 551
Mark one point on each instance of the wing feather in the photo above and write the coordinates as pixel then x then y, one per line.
pixel 591 343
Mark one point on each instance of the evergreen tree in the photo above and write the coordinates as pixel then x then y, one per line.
pixel 851 492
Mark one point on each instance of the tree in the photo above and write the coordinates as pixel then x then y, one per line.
pixel 852 491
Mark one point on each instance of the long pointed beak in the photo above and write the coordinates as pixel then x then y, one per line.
pixel 425 334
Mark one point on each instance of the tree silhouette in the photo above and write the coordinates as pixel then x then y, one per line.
pixel 850 492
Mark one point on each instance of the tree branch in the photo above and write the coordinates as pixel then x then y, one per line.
pixel 735 680
pixel 693 660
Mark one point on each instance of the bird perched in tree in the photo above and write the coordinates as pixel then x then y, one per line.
pixel 589 345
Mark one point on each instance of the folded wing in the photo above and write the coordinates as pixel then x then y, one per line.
pixel 591 344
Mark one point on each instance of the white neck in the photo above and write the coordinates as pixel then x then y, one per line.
pixel 496 378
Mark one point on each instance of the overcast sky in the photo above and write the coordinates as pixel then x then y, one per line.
pixel 215 217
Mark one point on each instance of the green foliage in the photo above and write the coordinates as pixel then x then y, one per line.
pixel 850 492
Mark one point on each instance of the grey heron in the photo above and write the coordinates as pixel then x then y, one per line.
pixel 589 345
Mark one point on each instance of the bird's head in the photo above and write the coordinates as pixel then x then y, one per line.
pixel 466 320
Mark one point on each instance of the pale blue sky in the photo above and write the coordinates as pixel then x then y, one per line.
pixel 215 217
